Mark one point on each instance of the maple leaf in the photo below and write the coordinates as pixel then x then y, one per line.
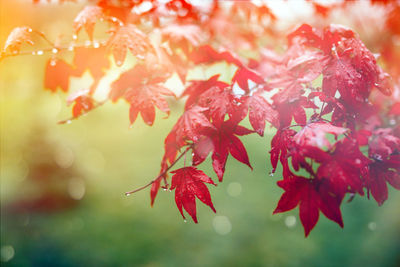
pixel 188 183
pixel 87 18
pixel 259 112
pixel 143 90
pixel 143 99
pixel 311 196
pixel 344 168
pixel 381 173
pixel 183 36
pixel 226 142
pixel 127 37
pixel 242 77
pixel 249 9
pixel 383 143
pixel 191 125
pixel 167 61
pixel 221 101
pixel 17 37
pixel 299 65
pixel 207 54
pixel 280 144
pixel 133 78
pixel 57 74
pixel 83 102
pixel 290 104
pixel 314 134
pixel 197 87
pixel 352 69
pixel 92 59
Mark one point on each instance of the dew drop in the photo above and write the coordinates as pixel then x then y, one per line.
pixel 88 43
pixel 52 63
pixel 127 194
pixel 96 44
pixel 185 221
pixel 34 53
pixel 392 122
pixel 54 50
pixel 40 52
pixel 114 19
pixel 271 173
pixel 68 122
pixel 71 48
pixel 74 36
pixel 358 161
pixel 30 30
pixel 119 63
pixel 164 189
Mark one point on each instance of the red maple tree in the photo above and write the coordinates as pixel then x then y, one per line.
pixel 343 136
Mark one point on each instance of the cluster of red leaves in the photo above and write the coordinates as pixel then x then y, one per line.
pixel 331 141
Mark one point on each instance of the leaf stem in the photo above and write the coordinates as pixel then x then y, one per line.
pixel 67 121
pixel 161 174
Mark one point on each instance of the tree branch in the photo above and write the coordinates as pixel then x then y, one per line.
pixel 161 174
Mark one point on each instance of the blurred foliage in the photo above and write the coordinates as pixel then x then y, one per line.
pixel 63 203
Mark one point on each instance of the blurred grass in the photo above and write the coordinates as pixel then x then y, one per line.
pixel 102 227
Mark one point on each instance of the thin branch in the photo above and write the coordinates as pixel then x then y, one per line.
pixel 98 104
pixel 40 52
pixel 161 174
pixel 45 38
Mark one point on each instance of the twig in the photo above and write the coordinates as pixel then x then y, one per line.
pixel 161 174
pixel 45 38
pixel 51 49
pixel 66 121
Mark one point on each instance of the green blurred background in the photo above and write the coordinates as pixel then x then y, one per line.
pixel 62 188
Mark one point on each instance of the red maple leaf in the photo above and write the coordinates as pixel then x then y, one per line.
pixel 280 144
pixel 188 183
pixel 220 102
pixel 314 134
pixel 243 75
pixel 226 142
pixel 383 143
pixel 57 74
pixel 259 112
pixel 17 37
pixel 380 173
pixel 127 37
pixel 87 18
pixel 83 102
pixel 344 167
pixel 191 123
pixel 207 54
pixel 197 87
pixel 143 90
pixel 183 36
pixel 93 59
pixel 143 99
pixel 190 127
pixel 290 103
pixel 311 196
